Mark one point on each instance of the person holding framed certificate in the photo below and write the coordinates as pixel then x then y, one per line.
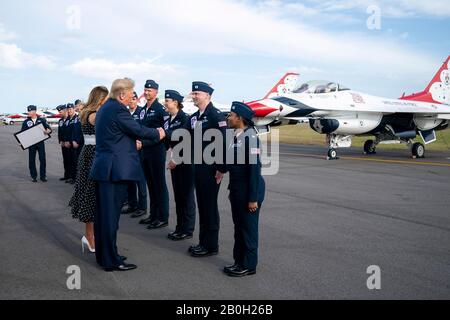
pixel 34 120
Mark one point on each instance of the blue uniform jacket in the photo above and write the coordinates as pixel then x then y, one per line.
pixel 77 133
pixel 116 157
pixel 28 123
pixel 137 114
pixel 245 175
pixel 66 135
pixel 153 117
pixel 179 122
pixel 212 118
pixel 61 129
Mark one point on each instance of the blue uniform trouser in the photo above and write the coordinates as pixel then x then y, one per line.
pixel 137 194
pixel 40 149
pixel 66 162
pixel 183 189
pixel 245 251
pixel 110 196
pixel 154 165
pixel 207 191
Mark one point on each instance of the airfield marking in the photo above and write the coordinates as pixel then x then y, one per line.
pixel 437 164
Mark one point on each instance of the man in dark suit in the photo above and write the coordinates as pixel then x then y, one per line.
pixel 116 163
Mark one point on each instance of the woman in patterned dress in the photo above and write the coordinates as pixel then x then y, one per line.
pixel 83 199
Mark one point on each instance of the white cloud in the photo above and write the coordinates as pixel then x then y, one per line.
pixel 5 35
pixel 389 8
pixel 13 57
pixel 236 27
pixel 439 8
pixel 109 70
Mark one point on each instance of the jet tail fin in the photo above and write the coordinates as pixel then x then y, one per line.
pixel 285 85
pixel 438 90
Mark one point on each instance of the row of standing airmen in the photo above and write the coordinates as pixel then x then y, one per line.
pixel 202 180
pixel 70 137
pixel 246 183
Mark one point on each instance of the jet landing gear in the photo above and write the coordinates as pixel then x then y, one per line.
pixel 370 147
pixel 336 141
pixel 418 150
pixel 332 154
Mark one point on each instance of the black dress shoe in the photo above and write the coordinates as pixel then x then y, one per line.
pixel 158 225
pixel 182 236
pixel 63 179
pixel 33 180
pixel 240 272
pixel 138 213
pixel 128 210
pixel 122 267
pixel 146 221
pixel 227 269
pixel 204 253
pixel 172 235
pixel 44 179
pixel 195 248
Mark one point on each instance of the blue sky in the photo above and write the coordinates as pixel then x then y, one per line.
pixel 53 52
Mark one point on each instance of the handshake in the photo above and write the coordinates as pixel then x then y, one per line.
pixel 162 135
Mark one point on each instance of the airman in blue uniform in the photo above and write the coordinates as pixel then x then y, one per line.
pixel 182 173
pixel 153 116
pixel 34 120
pixel 247 188
pixel 61 134
pixel 206 188
pixel 77 142
pixel 137 191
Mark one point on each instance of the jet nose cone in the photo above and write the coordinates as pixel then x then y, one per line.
pixel 261 110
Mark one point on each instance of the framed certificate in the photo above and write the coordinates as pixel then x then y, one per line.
pixel 31 136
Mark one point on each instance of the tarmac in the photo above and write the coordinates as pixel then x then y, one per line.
pixel 322 225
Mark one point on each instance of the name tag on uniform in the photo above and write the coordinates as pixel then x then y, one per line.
pixel 222 124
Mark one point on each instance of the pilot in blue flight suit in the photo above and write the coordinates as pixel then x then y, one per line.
pixel 153 116
pixel 247 188
pixel 34 120
pixel 137 192
pixel 65 152
pixel 116 163
pixel 206 188
pixel 77 142
pixel 182 173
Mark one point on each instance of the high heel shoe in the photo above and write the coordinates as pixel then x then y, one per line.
pixel 85 242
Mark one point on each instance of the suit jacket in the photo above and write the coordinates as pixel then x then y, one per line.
pixel 116 157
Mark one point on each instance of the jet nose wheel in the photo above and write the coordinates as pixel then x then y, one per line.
pixel 369 147
pixel 418 150
pixel 332 154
